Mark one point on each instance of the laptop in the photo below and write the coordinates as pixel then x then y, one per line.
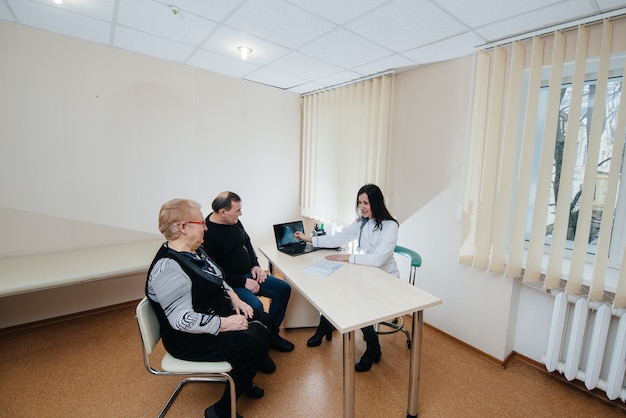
pixel 286 241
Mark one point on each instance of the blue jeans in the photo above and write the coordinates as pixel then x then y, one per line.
pixel 275 289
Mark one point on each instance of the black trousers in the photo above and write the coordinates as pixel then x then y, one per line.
pixel 244 350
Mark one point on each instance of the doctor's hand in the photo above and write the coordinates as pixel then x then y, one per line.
pixel 338 257
pixel 299 235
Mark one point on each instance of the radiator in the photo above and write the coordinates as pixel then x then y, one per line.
pixel 588 343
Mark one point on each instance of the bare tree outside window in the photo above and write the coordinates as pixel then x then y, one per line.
pixel 603 164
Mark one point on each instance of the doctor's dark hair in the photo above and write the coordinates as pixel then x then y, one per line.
pixel 375 196
pixel 224 201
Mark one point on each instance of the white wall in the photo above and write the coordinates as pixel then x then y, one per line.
pixel 99 138
pixel 488 311
pixel 93 140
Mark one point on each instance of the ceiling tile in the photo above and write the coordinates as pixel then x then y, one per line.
pixel 302 66
pixel 99 9
pixel 221 64
pixel 274 78
pixel 340 78
pixel 216 10
pixel 388 63
pixel 345 49
pixel 307 87
pixel 226 40
pixel 157 19
pixel 144 43
pixel 606 5
pixel 411 23
pixel 279 22
pixel 5 13
pixel 57 20
pixel 491 10
pixel 552 15
pixel 339 12
pixel 454 47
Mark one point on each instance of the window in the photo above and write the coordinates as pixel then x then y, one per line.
pixel 613 93
pixel 543 199
pixel 345 132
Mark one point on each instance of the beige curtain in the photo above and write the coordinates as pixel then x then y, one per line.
pixel 344 137
pixel 514 220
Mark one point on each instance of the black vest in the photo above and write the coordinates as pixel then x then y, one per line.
pixel 207 292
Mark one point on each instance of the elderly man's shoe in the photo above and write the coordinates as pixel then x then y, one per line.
pixel 255 392
pixel 210 413
pixel 278 343
pixel 267 365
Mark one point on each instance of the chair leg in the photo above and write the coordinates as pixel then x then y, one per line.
pixel 172 397
pixel 233 398
pixel 223 378
pixel 395 327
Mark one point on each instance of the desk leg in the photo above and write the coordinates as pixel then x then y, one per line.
pixel 348 374
pixel 414 374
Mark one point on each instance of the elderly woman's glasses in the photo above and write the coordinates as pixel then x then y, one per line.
pixel 196 222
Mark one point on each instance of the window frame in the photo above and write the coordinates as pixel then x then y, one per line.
pixel 618 239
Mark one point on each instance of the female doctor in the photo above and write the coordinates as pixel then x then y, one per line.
pixel 376 233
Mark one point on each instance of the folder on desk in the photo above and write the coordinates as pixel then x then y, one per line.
pixel 322 268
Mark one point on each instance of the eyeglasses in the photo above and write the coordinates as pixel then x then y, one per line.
pixel 196 222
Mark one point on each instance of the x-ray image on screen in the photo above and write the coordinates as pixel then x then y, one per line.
pixel 285 233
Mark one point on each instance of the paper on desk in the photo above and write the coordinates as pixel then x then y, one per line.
pixel 322 268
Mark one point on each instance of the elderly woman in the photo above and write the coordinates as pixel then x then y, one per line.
pixel 201 317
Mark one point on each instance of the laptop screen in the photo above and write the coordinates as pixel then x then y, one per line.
pixel 285 233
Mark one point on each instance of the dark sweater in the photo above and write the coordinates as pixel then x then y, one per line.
pixel 230 247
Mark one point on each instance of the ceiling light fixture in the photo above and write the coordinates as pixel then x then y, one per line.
pixel 244 51
pixel 175 10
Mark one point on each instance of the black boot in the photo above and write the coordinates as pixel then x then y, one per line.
pixel 372 353
pixel 280 344
pixel 325 328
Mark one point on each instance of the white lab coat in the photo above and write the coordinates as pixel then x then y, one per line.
pixel 375 246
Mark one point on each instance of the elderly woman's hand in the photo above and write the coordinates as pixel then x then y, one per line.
pixel 234 323
pixel 240 306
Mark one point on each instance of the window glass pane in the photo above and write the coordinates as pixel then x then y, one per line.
pixel 603 163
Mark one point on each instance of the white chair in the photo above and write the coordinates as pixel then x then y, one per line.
pixel 398 324
pixel 197 371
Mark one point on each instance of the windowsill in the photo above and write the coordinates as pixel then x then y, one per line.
pixel 610 280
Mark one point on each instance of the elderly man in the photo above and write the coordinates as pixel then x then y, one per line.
pixel 227 242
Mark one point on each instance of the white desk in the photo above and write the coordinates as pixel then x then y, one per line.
pixel 353 297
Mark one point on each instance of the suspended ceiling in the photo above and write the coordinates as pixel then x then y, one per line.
pixel 302 45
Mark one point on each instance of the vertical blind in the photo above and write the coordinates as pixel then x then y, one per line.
pixel 538 106
pixel 344 139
